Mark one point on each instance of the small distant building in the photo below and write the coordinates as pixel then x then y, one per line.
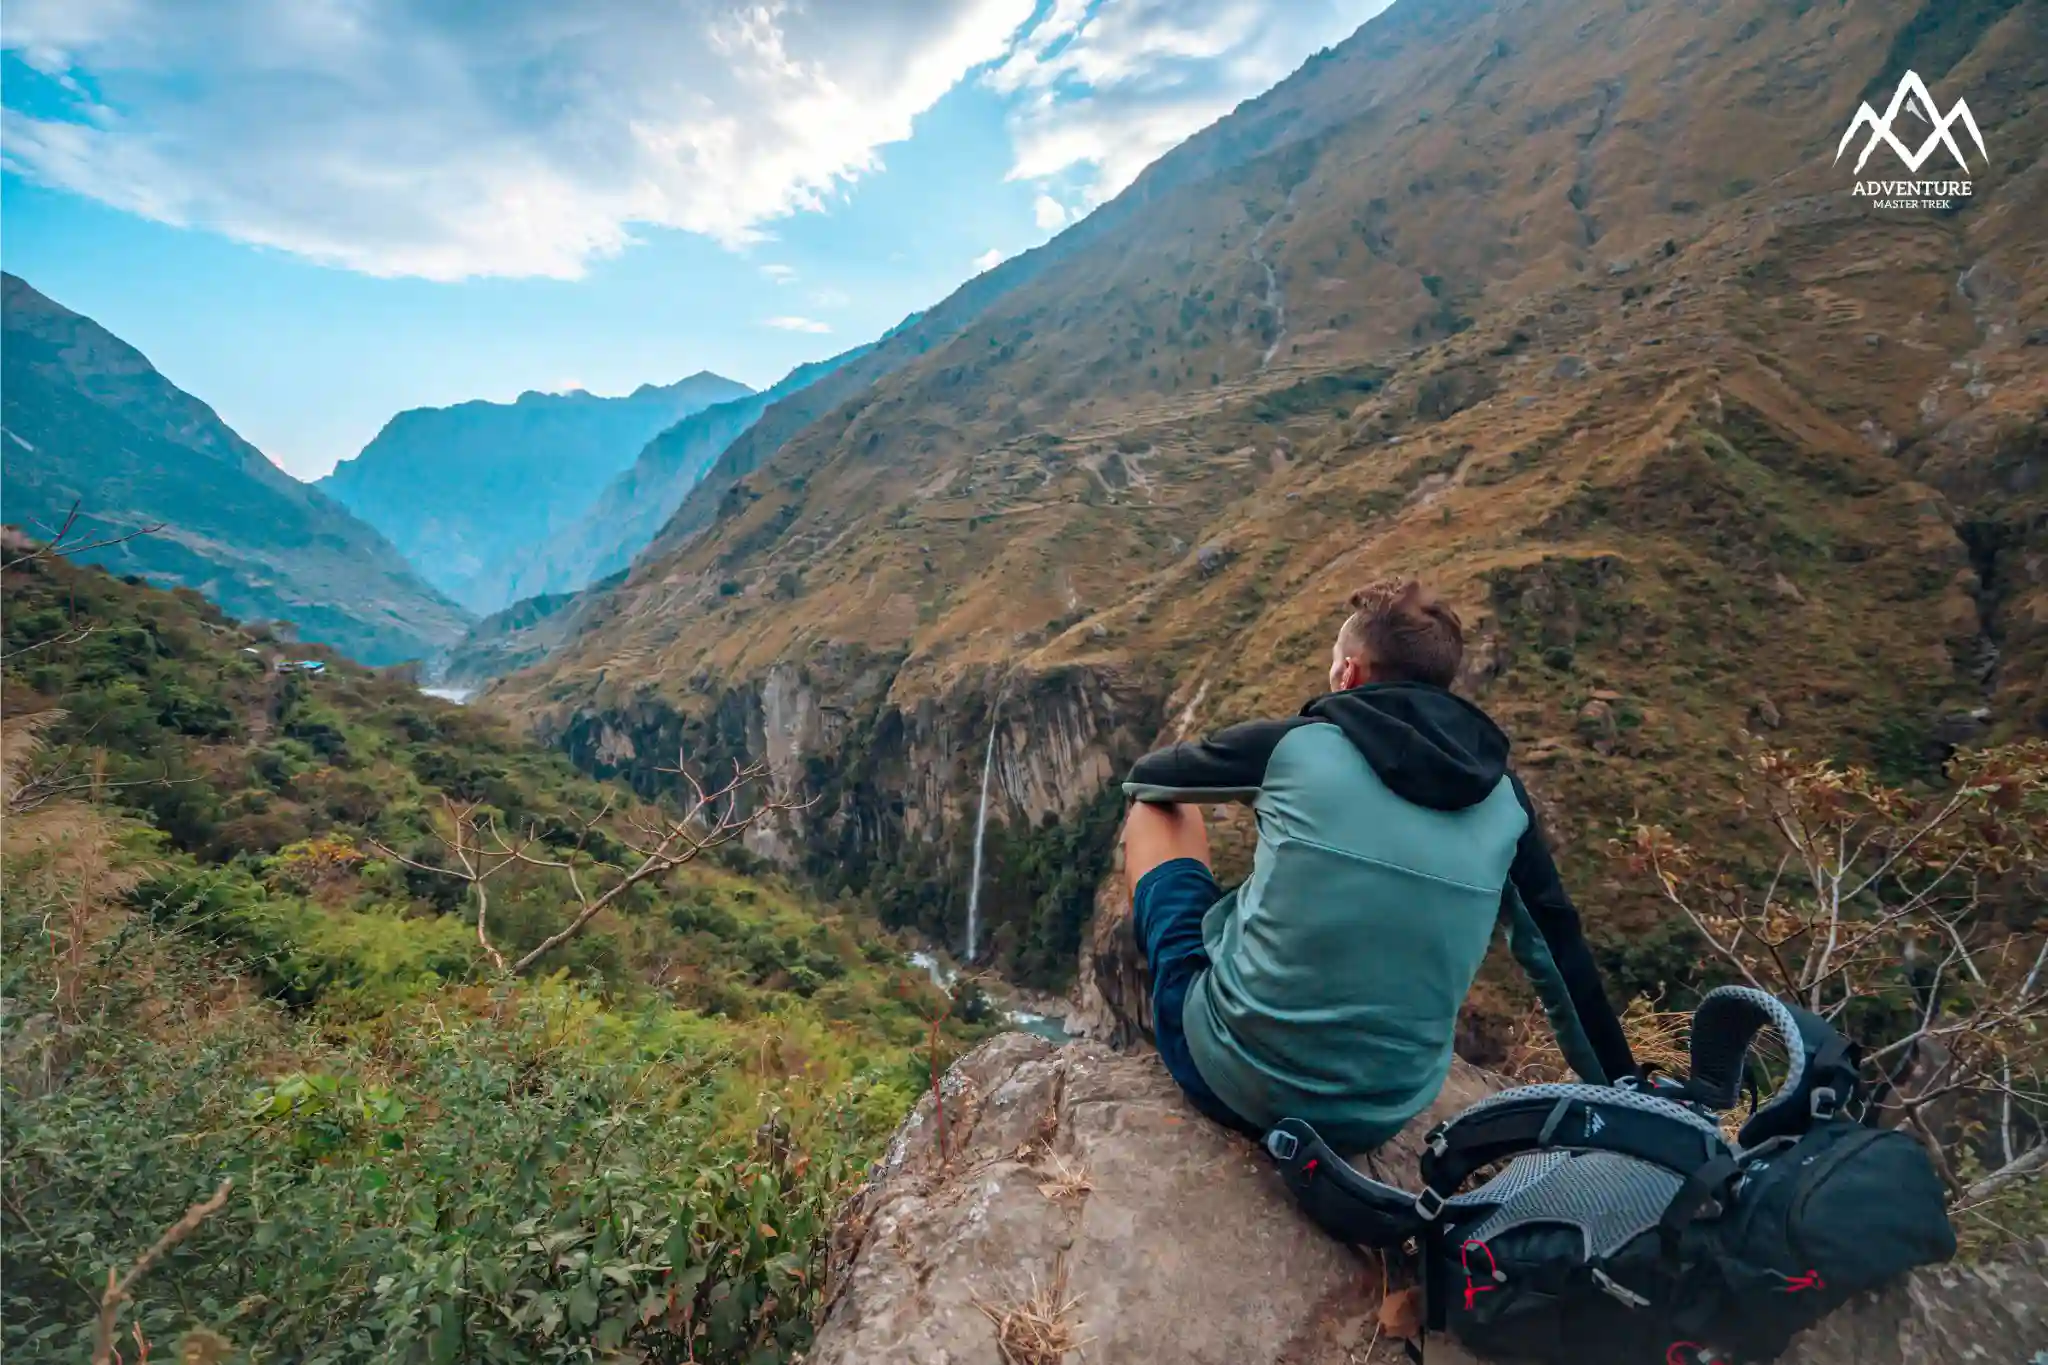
pixel 301 666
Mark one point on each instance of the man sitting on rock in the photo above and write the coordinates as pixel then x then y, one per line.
pixel 1392 840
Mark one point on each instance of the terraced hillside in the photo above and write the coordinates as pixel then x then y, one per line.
pixel 1561 304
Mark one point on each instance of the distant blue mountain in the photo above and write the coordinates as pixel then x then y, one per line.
pixel 465 491
pixel 620 522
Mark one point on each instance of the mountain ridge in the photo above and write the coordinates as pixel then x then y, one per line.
pixel 1562 306
pixel 633 506
pixel 92 424
pixel 466 491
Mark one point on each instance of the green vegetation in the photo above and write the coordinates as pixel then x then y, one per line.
pixel 228 957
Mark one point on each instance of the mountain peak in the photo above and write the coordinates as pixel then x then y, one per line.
pixel 463 489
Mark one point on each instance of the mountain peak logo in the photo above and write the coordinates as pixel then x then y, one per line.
pixel 1912 103
pixel 1913 98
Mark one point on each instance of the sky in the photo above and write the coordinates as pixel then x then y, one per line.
pixel 317 214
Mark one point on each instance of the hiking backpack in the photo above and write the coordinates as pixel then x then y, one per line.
pixel 1626 1228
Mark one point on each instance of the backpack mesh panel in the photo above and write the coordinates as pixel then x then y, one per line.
pixel 1610 1199
pixel 1519 1175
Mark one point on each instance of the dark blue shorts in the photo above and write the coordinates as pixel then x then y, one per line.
pixel 1167 910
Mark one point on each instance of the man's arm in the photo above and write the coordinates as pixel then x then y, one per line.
pixel 1228 766
pixel 1535 877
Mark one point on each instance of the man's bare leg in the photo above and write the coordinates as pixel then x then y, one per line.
pixel 1155 834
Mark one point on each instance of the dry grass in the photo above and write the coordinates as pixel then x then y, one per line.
pixel 1035 1330
pixel 21 739
pixel 62 856
pixel 1069 1180
pixel 1660 1038
pixel 1657 1037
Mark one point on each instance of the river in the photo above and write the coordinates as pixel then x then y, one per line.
pixel 944 974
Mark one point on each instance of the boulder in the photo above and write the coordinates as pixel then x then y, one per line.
pixel 1070 1192
pixel 1597 724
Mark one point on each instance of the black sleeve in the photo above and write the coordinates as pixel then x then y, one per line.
pixel 1228 766
pixel 1535 877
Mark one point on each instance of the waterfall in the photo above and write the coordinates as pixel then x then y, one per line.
pixel 988 764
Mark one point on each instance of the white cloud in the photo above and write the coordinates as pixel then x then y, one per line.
pixel 520 138
pixel 831 298
pixel 790 324
pixel 781 274
pixel 1049 212
pixel 529 137
pixel 988 260
pixel 1101 92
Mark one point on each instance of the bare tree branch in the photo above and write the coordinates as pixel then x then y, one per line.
pixel 118 1290
pixel 55 546
pixel 712 817
pixel 1926 908
pixel 2028 1164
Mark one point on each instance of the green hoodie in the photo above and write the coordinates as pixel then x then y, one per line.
pixel 1392 842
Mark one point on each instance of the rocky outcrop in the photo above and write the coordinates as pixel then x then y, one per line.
pixel 1078 1179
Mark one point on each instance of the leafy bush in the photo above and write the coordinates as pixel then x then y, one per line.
pixel 510 1195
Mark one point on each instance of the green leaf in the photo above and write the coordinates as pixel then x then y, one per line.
pixel 611 1333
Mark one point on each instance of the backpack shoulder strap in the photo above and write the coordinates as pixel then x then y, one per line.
pixel 1822 1074
pixel 1586 1118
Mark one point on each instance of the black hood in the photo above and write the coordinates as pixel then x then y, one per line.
pixel 1428 745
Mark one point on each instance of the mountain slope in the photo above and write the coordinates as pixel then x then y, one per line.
pixel 1559 303
pixel 468 491
pixel 222 889
pixel 631 508
pixel 90 422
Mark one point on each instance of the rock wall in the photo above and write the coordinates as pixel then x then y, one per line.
pixel 1175 1241
pixel 895 780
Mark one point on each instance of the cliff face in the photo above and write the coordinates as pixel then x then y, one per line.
pixel 1562 306
pixel 896 784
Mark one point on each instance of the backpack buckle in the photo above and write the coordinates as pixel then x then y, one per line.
pixel 1429 1205
pixel 1622 1292
pixel 1824 1104
pixel 1283 1146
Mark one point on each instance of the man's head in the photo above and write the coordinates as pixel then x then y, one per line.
pixel 1398 631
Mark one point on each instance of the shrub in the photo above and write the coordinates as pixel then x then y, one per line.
pixel 517 1197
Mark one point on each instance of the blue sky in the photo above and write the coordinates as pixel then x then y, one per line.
pixel 315 215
